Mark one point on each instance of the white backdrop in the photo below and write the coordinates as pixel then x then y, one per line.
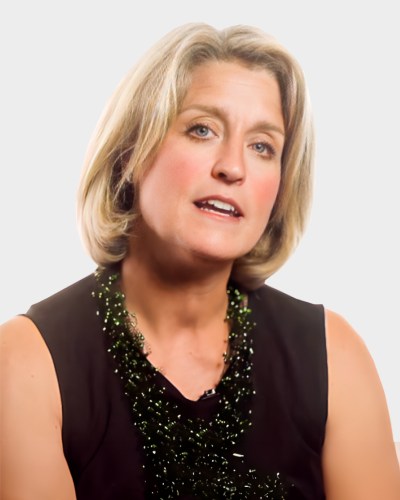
pixel 61 61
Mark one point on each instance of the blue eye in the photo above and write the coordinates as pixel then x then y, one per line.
pixel 199 131
pixel 263 148
pixel 260 147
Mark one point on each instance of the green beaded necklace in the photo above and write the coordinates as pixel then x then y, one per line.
pixel 187 456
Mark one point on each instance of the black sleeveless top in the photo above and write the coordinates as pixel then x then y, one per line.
pixel 101 442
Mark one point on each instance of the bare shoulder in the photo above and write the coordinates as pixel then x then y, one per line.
pixel 21 338
pixel 26 363
pixel 359 457
pixel 32 461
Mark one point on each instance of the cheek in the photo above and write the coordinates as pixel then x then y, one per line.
pixel 153 192
pixel 175 167
pixel 166 182
pixel 266 191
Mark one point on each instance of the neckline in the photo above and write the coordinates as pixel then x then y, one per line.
pixel 108 291
pixel 185 453
pixel 113 273
pixel 163 381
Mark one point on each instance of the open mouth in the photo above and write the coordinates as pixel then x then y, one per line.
pixel 218 207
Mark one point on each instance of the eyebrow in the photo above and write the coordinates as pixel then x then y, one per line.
pixel 219 113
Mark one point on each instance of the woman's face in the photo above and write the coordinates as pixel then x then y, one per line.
pixel 210 190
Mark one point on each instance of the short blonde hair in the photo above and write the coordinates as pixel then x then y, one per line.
pixel 138 116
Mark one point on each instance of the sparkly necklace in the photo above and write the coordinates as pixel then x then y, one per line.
pixel 185 455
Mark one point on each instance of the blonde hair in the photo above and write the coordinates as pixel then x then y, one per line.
pixel 138 116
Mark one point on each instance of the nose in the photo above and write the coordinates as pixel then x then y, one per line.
pixel 229 166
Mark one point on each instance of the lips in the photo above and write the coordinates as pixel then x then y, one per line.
pixel 219 206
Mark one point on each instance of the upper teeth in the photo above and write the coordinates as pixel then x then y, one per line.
pixel 222 205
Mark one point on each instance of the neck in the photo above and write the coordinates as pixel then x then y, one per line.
pixel 174 297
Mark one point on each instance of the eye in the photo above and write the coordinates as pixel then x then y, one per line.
pixel 264 149
pixel 199 131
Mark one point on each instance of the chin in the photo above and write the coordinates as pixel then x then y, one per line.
pixel 219 255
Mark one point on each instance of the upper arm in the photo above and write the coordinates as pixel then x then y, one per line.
pixel 359 458
pixel 33 466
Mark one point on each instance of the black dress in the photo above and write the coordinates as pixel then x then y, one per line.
pixel 289 410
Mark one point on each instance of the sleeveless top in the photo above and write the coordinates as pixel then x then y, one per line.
pixel 288 412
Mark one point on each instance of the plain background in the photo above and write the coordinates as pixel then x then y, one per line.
pixel 60 62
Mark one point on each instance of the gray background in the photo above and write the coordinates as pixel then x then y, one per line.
pixel 60 61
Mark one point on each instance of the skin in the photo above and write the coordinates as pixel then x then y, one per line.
pixel 225 144
pixel 181 258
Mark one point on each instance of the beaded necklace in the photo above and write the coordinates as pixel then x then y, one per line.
pixel 183 455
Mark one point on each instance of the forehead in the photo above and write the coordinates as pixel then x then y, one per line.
pixel 216 73
pixel 235 88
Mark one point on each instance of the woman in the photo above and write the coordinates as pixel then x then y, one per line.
pixel 174 372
